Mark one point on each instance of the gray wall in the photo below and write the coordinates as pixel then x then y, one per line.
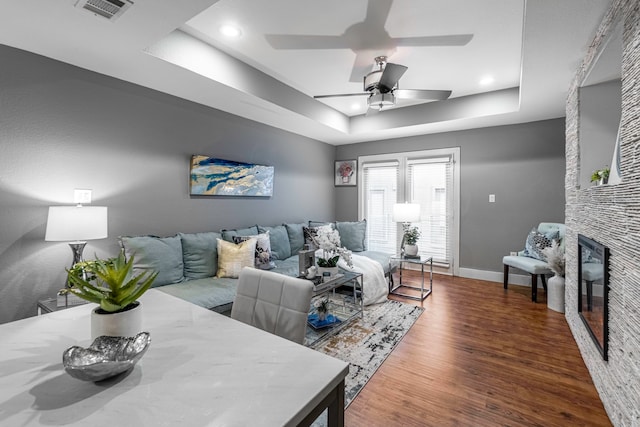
pixel 610 214
pixel 523 165
pixel 62 127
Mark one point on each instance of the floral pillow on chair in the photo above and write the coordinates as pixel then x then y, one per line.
pixel 537 241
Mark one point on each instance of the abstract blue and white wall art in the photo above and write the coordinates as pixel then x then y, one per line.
pixel 218 177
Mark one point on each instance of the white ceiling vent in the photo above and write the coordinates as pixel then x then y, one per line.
pixel 110 9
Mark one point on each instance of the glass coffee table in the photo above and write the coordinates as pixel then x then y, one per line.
pixel 345 304
pixel 402 288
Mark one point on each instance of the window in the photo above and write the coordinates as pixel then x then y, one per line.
pixel 427 181
pixel 380 183
pixel 429 178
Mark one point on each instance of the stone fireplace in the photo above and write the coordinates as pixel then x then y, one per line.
pixel 610 214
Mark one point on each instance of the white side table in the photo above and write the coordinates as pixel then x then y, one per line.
pixel 400 288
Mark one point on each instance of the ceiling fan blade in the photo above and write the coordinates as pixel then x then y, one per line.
pixel 435 95
pixel 292 41
pixel 452 40
pixel 342 94
pixel 361 66
pixel 390 76
pixel 377 13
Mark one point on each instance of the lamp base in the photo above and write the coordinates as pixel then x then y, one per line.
pixel 77 248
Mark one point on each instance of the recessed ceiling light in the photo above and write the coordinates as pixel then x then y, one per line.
pixel 231 31
pixel 487 80
pixel 355 106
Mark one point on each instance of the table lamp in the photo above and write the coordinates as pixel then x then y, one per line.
pixel 406 213
pixel 76 225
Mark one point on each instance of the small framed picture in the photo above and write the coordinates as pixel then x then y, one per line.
pixel 346 173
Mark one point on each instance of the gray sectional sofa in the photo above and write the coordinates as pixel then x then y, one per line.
pixel 187 263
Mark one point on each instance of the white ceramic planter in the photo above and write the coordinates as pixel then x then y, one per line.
pixel 123 324
pixel 411 250
pixel 555 293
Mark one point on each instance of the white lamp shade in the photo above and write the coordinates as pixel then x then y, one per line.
pixel 406 212
pixel 76 223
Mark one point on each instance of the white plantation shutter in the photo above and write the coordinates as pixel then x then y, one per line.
pixel 380 182
pixel 429 183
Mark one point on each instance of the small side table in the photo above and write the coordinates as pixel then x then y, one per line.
pixel 49 305
pixel 398 289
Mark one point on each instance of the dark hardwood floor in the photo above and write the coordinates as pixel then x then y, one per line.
pixel 481 356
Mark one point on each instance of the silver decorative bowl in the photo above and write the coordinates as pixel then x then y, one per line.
pixel 105 357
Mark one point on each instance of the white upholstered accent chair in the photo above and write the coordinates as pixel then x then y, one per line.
pixel 273 302
pixel 534 267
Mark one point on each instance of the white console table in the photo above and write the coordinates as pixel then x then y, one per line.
pixel 202 369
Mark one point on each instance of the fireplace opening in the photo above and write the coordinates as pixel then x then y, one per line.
pixel 593 290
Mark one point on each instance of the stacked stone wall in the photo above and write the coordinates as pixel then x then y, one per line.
pixel 610 214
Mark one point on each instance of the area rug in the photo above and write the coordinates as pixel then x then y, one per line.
pixel 366 342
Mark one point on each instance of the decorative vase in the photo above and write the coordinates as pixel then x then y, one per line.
pixel 331 270
pixel 322 316
pixel 127 323
pixel 555 293
pixel 411 250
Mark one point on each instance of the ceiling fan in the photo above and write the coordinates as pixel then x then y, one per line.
pixel 366 39
pixel 381 87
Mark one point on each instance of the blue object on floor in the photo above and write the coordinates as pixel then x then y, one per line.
pixel 316 323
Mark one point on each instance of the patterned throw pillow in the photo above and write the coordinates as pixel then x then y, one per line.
pixel 537 241
pixel 310 233
pixel 264 259
pixel 233 258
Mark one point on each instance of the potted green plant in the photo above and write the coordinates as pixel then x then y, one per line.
pixel 111 284
pixel 410 240
pixel 322 307
pixel 600 176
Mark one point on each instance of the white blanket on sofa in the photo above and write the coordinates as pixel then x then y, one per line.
pixel 375 286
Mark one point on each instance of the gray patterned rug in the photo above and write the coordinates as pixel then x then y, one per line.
pixel 366 343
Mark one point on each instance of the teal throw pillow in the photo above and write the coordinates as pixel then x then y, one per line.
pixel 296 237
pixel 161 254
pixel 228 235
pixel 353 235
pixel 200 254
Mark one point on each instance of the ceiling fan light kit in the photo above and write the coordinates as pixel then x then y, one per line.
pixel 380 100
pixel 381 86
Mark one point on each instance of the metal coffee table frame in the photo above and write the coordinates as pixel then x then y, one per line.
pixel 347 308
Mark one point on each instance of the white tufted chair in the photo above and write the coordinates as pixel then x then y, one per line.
pixel 273 302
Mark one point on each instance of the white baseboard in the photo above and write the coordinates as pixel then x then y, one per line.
pixel 496 276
